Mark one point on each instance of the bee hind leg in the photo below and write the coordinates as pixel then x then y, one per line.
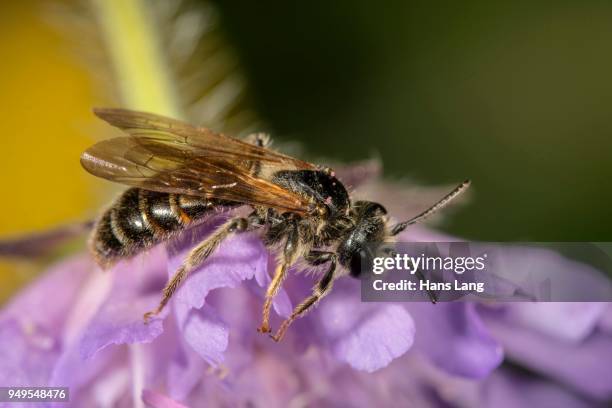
pixel 199 254
pixel 322 288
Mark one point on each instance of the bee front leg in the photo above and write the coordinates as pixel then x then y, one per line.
pixel 200 253
pixel 290 252
pixel 322 288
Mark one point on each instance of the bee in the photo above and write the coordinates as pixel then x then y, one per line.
pixel 179 174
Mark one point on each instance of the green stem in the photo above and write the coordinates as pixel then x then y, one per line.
pixel 142 75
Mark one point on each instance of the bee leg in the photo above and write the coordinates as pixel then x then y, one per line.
pixel 258 139
pixel 322 288
pixel 419 274
pixel 199 254
pixel 315 257
pixel 289 255
pixel 433 298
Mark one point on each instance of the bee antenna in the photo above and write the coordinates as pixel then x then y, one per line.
pixel 434 208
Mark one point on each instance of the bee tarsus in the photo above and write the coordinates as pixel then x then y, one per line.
pixel 322 288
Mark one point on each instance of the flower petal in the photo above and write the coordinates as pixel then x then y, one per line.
pixel 367 336
pixel 154 399
pixel 64 280
pixel 136 289
pixel 567 321
pixel 238 258
pixel 606 319
pixel 587 366
pixel 507 390
pixel 71 362
pixel 454 337
pixel 26 359
pixel 184 372
pixel 121 322
pixel 203 331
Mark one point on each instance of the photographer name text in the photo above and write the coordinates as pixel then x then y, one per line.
pixel 424 263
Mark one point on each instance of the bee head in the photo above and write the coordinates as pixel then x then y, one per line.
pixel 369 231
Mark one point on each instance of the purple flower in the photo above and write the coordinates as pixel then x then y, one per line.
pixel 80 327
pixel 563 341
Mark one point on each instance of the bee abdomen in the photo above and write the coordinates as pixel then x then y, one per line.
pixel 140 219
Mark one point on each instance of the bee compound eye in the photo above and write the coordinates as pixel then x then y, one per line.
pixel 358 262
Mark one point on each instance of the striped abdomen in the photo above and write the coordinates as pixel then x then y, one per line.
pixel 140 219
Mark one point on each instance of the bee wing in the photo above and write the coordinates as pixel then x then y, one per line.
pixel 167 155
pixel 204 140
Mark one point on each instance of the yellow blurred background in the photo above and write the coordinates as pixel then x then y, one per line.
pixel 46 101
